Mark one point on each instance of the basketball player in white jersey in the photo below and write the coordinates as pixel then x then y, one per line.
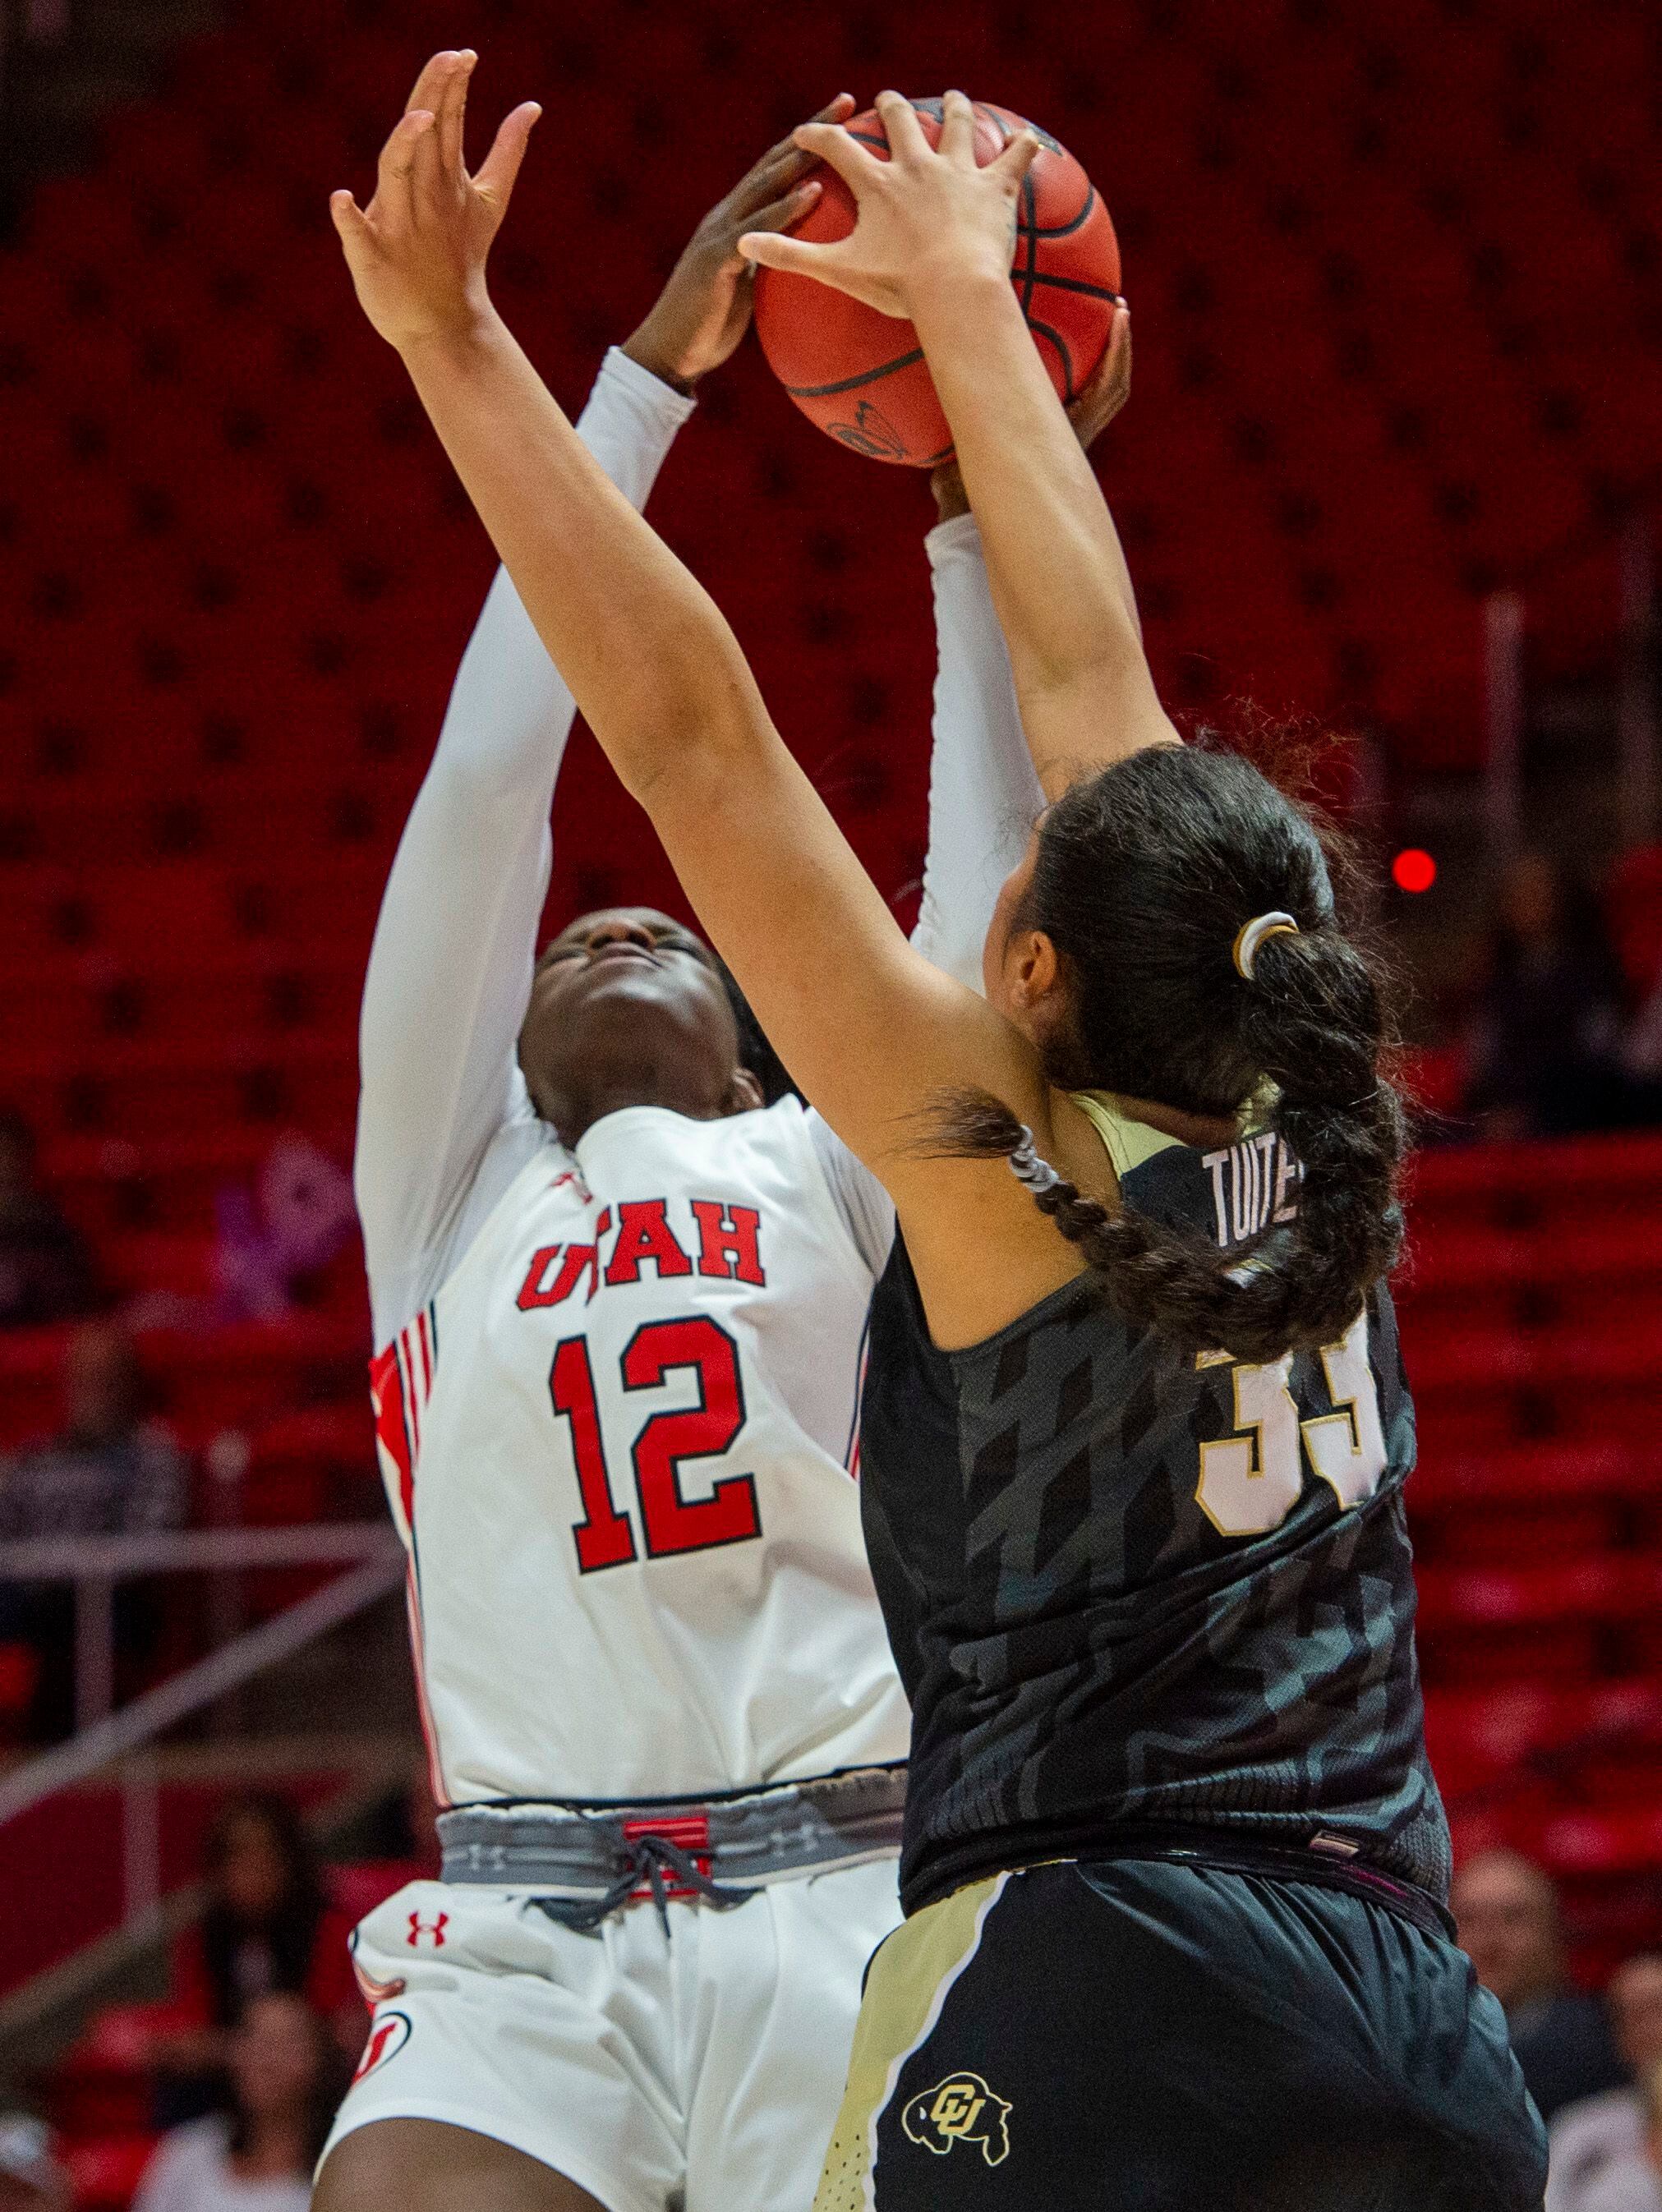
pixel 620 1307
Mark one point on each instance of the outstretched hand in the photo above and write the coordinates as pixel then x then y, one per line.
pixel 926 211
pixel 1090 414
pixel 704 309
pixel 417 252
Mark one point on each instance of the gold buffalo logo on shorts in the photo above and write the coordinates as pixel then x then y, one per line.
pixel 960 2109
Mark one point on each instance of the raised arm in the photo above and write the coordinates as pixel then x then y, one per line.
pixel 1058 574
pixel 450 968
pixel 984 796
pixel 867 1025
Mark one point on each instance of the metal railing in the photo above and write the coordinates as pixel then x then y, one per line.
pixel 375 1563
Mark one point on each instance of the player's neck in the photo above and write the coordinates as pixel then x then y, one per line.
pixel 573 1115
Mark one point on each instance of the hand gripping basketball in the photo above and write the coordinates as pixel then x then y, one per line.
pixel 417 252
pixel 926 215
pixel 704 309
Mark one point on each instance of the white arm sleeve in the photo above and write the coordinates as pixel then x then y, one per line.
pixel 984 797
pixel 450 968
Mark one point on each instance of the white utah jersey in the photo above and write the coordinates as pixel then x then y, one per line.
pixel 617 1445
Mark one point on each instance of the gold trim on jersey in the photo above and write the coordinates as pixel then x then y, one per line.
pixel 906 1986
pixel 1127 1143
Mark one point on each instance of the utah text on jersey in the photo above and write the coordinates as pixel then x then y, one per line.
pixel 623 1485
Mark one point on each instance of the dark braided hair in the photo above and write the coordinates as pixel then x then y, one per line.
pixel 1143 878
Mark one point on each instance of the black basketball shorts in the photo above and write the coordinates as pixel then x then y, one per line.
pixel 1155 2035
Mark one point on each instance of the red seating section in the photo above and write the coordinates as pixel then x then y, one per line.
pixel 1533 1326
pixel 101 2095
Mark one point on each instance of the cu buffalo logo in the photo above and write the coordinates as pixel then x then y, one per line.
pixel 960 2109
pixel 389 2034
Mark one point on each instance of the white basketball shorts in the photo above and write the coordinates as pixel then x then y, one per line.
pixel 696 2070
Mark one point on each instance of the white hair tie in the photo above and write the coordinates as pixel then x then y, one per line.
pixel 1252 935
pixel 1028 1168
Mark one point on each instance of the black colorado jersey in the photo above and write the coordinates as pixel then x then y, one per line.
pixel 1128 1585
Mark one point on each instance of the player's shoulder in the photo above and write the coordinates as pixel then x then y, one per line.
pixel 780 1129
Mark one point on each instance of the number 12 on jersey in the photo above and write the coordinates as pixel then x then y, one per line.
pixel 670 1521
pixel 1250 1484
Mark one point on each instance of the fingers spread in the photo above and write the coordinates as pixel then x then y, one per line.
pixel 771 176
pixel 780 213
pixel 783 162
pixel 770 249
pixel 495 181
pixel 427 179
pixel 833 146
pixel 394 191
pixel 348 219
pixel 1017 158
pixel 452 115
pixel 906 133
pixel 430 84
pixel 834 111
pixel 958 128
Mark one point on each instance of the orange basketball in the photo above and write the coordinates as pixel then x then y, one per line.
pixel 862 376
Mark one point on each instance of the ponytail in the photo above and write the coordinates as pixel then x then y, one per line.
pixel 1197 843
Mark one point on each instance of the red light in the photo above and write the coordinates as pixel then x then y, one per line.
pixel 1413 870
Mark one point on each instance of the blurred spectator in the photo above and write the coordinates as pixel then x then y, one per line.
pixel 31 2180
pixel 1597 2132
pixel 1542 1049
pixel 273 1246
pixel 1642 1055
pixel 46 1271
pixel 108 1472
pixel 266 1927
pixel 1507 1912
pixel 287 2078
pixel 1634 2183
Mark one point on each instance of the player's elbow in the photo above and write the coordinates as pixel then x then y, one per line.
pixel 704 729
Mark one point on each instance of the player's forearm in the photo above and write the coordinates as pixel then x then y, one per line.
pixel 648 658
pixel 1057 567
pixel 983 795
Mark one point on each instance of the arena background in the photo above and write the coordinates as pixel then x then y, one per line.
pixel 1391 463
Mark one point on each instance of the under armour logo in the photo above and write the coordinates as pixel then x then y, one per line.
pixel 871 433
pixel 960 2109
pixel 435 1928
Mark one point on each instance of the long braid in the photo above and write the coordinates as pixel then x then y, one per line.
pixel 1161 997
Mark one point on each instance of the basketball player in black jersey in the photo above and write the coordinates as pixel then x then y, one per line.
pixel 1136 1429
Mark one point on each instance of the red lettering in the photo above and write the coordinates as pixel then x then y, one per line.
pixel 644 1233
pixel 728 1514
pixel 578 1261
pixel 727 1241
pixel 534 1290
pixel 605 1538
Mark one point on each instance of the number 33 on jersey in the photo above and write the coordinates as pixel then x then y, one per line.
pixel 1249 1482
pixel 616 1445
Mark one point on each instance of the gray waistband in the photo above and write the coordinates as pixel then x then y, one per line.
pixel 587 1850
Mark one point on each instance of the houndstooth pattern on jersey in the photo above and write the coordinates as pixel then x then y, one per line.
pixel 1083 1649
